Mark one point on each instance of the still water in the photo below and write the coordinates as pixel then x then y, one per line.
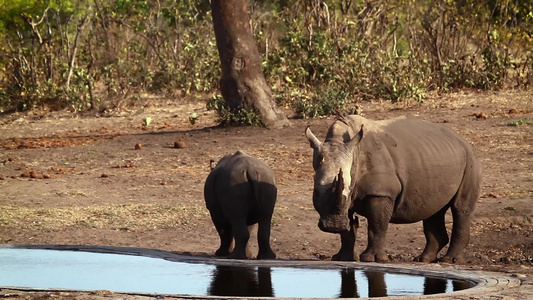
pixel 78 270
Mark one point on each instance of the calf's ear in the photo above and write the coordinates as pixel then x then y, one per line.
pixel 313 140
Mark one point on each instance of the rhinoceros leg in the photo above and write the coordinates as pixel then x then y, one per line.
pixel 460 236
pixel 436 236
pixel 263 240
pixel 378 213
pixel 346 253
pixel 265 194
pixel 226 238
pixel 241 234
pixel 462 207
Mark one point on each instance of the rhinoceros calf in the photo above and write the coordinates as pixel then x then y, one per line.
pixel 401 170
pixel 241 191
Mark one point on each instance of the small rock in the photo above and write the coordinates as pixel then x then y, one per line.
pixel 104 175
pixel 513 111
pixel 46 176
pixel 322 256
pixel 25 174
pixel 138 146
pixel 480 116
pixel 180 144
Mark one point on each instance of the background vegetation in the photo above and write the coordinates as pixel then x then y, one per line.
pixel 318 56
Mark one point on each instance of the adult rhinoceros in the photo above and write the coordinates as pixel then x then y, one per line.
pixel 401 170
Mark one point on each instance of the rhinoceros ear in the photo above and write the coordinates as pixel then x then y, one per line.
pixel 351 144
pixel 313 140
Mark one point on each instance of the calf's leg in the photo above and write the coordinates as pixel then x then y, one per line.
pixel 226 237
pixel 263 240
pixel 241 235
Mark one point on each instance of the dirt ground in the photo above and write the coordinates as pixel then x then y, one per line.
pixel 79 179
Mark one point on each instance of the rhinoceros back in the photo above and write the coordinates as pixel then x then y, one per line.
pixel 429 160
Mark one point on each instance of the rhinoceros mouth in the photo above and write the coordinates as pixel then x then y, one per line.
pixel 334 224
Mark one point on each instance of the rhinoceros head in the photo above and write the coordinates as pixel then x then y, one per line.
pixel 333 161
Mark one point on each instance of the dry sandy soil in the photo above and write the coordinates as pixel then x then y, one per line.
pixel 79 179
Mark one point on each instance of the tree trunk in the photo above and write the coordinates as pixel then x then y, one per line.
pixel 243 84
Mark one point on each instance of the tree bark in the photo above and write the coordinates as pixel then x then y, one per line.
pixel 74 50
pixel 243 84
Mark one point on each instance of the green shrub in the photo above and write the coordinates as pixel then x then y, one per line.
pixel 324 103
pixel 520 122
pixel 228 117
pixel 393 50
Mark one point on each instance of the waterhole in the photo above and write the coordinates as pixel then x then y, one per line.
pixel 86 270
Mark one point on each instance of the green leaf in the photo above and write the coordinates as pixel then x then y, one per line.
pixel 193 117
pixel 147 121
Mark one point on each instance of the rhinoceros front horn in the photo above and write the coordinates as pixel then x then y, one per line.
pixel 336 219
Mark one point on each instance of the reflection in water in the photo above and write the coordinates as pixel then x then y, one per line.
pixel 348 284
pixel 241 281
pixel 459 285
pixel 258 282
pixel 376 284
pixel 137 274
pixel 434 286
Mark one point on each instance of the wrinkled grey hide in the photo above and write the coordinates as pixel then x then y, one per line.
pixel 241 191
pixel 401 170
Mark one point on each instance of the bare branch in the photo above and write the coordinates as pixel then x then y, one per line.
pixel 35 24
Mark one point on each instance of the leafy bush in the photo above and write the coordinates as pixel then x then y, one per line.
pixel 323 104
pixel 396 50
pixel 80 54
pixel 229 117
pixel 85 54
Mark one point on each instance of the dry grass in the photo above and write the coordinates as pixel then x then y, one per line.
pixel 121 217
